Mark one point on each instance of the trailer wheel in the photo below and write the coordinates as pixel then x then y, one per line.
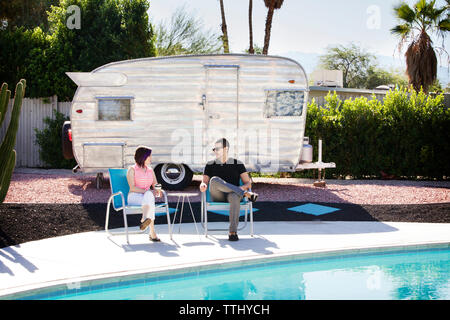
pixel 173 176
pixel 67 150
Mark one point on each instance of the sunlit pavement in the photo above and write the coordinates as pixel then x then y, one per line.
pixel 91 255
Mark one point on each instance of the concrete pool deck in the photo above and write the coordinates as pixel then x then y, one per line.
pixel 69 260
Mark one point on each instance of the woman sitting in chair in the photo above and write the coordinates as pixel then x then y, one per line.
pixel 140 178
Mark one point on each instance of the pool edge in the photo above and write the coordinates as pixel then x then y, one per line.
pixel 119 277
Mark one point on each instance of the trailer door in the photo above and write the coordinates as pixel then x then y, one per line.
pixel 221 105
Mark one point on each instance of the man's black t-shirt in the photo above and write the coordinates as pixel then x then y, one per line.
pixel 230 171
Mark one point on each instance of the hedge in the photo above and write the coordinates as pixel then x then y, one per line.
pixel 405 135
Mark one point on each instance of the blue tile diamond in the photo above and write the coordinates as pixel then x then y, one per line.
pixel 314 209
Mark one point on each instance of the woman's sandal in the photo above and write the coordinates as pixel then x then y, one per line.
pixel 145 224
pixel 154 239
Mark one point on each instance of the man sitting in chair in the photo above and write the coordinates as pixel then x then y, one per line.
pixel 223 175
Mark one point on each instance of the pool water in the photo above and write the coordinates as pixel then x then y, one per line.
pixel 421 274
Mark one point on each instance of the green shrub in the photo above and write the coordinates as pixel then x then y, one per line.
pixel 49 141
pixel 23 56
pixel 405 135
pixel 111 31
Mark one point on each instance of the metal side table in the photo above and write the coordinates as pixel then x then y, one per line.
pixel 182 196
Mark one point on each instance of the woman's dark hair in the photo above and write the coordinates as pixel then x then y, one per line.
pixel 142 153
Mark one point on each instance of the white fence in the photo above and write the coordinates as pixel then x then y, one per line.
pixel 32 116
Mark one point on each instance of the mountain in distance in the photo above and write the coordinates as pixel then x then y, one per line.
pixel 310 62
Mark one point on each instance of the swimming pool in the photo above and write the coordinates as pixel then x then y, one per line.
pixel 419 274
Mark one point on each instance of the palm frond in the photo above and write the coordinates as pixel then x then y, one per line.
pixel 421 5
pixel 444 25
pixel 436 13
pixel 421 63
pixel 402 30
pixel 404 12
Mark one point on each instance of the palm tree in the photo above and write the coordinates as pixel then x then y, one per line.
pixel 226 47
pixel 417 24
pixel 250 26
pixel 271 5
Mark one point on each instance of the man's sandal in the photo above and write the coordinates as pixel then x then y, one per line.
pixel 253 196
pixel 233 237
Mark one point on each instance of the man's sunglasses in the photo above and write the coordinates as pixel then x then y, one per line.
pixel 218 148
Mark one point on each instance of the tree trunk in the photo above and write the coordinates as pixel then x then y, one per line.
pixel 250 27
pixel 226 47
pixel 421 63
pixel 268 28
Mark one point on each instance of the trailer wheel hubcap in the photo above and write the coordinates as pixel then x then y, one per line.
pixel 173 173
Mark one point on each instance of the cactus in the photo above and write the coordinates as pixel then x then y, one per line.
pixel 7 154
pixel 4 99
pixel 6 175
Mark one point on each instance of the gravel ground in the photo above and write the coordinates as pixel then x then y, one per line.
pixel 55 186
pixel 48 203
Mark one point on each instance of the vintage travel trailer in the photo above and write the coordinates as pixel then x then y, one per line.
pixel 180 105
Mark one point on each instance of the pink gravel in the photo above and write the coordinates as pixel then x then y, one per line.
pixel 67 188
pixel 357 192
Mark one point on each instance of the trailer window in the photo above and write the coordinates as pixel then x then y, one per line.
pixel 114 109
pixel 284 103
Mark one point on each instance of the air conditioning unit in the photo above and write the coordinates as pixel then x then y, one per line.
pixel 385 87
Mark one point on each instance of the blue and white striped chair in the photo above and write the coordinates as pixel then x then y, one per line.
pixel 223 208
pixel 119 195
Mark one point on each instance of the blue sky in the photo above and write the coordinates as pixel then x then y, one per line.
pixel 302 29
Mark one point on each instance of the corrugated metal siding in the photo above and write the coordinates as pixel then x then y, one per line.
pixel 32 116
pixel 64 108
